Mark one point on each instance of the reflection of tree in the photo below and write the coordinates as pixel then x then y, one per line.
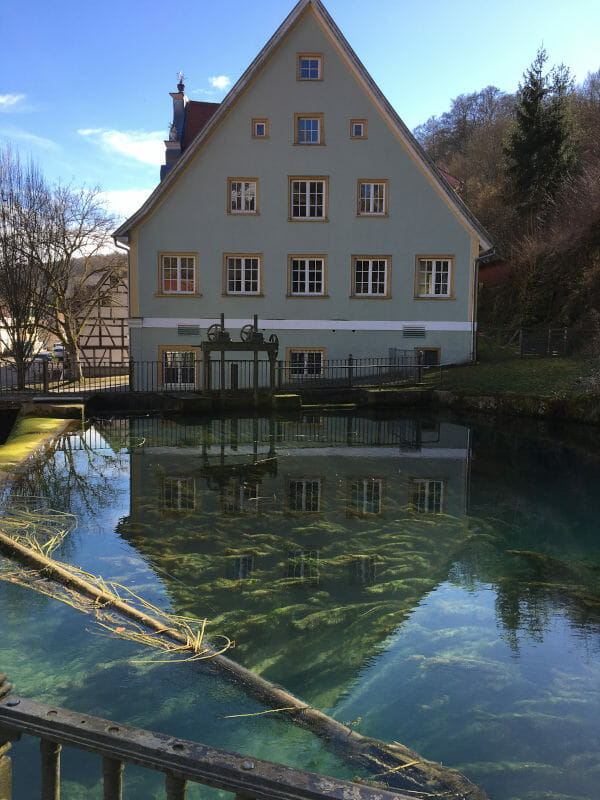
pixel 68 475
pixel 522 609
pixel 530 585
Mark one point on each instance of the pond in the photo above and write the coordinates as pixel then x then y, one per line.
pixel 422 581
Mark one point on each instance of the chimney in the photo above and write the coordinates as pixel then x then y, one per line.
pixel 173 145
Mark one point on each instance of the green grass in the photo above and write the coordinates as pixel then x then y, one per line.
pixel 500 370
pixel 27 435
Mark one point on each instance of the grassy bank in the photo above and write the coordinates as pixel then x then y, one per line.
pixel 500 370
pixel 27 435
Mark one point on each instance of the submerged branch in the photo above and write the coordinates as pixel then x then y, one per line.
pixel 403 768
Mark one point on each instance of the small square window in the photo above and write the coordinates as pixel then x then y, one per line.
pixel 309 67
pixel 358 128
pixel 260 128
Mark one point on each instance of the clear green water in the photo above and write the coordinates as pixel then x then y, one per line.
pixel 367 565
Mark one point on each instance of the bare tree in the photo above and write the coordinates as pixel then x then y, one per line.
pixel 24 199
pixel 76 258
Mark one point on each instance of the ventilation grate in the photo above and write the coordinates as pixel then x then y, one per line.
pixel 413 332
pixel 188 330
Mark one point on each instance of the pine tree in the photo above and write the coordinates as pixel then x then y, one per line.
pixel 539 146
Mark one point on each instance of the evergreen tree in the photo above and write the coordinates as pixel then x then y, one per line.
pixel 539 146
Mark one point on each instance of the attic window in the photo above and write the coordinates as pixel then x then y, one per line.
pixel 260 128
pixel 309 67
pixel 358 128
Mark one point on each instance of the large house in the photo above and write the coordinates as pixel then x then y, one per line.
pixel 302 198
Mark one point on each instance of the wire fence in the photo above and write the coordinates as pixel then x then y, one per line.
pixel 542 341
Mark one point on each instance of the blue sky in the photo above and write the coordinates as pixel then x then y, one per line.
pixel 84 85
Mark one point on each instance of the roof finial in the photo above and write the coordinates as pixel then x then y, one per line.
pixel 180 79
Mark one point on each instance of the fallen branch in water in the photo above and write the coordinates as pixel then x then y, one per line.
pixel 404 769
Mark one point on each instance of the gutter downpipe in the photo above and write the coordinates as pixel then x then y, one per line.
pixel 488 254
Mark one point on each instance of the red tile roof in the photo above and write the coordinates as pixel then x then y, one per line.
pixel 197 115
pixel 455 183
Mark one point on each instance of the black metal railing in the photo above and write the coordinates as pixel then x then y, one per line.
pixel 42 377
pixel 179 760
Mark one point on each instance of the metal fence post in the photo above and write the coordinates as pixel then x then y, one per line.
pixel 131 374
pixel 45 375
pixel 112 772
pixel 350 365
pixel 176 787
pixel 50 752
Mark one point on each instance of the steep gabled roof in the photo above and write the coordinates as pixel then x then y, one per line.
pixel 363 77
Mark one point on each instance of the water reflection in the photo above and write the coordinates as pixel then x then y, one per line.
pixel 328 527
pixel 438 585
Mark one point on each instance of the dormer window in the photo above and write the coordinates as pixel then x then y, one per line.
pixel 309 67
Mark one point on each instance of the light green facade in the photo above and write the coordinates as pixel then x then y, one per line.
pixel 191 217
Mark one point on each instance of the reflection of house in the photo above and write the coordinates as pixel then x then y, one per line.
pixel 342 534
pixel 303 198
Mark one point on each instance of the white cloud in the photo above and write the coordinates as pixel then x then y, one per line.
pixel 125 202
pixel 220 82
pixel 142 146
pixel 11 102
pixel 28 138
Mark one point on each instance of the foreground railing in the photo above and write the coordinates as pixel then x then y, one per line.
pixel 180 760
pixel 228 375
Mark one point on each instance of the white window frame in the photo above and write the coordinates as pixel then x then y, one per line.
pixel 306 202
pixel 264 122
pixel 370 261
pixel 301 563
pixel 367 201
pixel 434 273
pixel 245 194
pixel 306 366
pixel 308 136
pixel 180 367
pixel 242 497
pixel 431 495
pixel 304 272
pixel 245 268
pixel 178 494
pixel 304 491
pixel 360 504
pixel 362 125
pixel 179 267
pixel 309 67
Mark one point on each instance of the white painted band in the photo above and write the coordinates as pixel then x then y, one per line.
pixel 302 324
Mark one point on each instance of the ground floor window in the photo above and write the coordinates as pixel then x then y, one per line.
pixel 178 494
pixel 240 567
pixel 303 565
pixel 306 363
pixel 431 356
pixel 178 367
